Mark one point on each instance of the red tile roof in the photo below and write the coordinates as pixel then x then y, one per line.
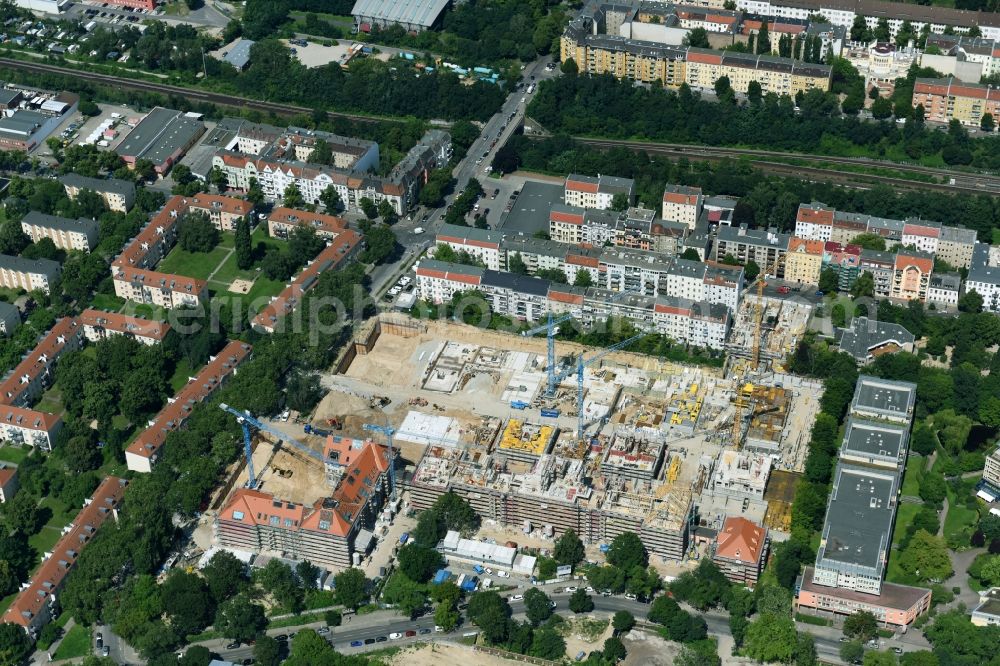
pixel 48 580
pixel 817 215
pixel 171 417
pixel 113 321
pixel 28 418
pixel 579 186
pixel 329 224
pixel 925 264
pixel 807 246
pixel 336 252
pixel 39 359
pixel 741 540
pixel 217 202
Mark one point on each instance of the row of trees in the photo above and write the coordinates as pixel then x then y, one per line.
pixel 606 107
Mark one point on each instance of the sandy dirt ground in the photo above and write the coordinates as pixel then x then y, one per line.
pixel 445 654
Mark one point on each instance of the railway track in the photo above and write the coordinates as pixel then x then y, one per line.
pixel 195 95
pixel 963 182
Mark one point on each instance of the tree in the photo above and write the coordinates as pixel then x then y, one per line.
pixel 537 606
pixel 751 270
pixel 862 625
pixel 697 37
pixel 333 618
pixel 330 199
pixel 350 585
pixel 829 281
pixel 184 601
pixel 568 549
pixel 81 454
pixel 547 644
pixel 266 651
pixel 226 576
pixel 445 616
pixel 881 108
pixel 627 551
pixel 703 588
pixel 196 233
pixel 419 563
pixel 242 247
pixel 456 513
pixel 773 600
pixel 926 558
pixel 217 177
pixel 852 651
pixel 292 196
pixel 580 602
pixel 240 619
pixel 620 202
pixel 970 301
pixel 303 391
pixel 583 279
pixel 614 650
pixel 723 87
pixel 622 622
pixel 986 123
pixel 12 239
pixel 15 645
pixel 755 93
pixel 368 207
pixel 22 514
pixel 491 613
pixel 771 638
pixel 381 245
pixel 763 40
pixel 864 285
pixel 387 212
pixel 933 488
pixel 569 67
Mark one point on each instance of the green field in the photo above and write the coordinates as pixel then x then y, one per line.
pixel 182 373
pixel 229 272
pixel 14 454
pixel 904 516
pixel 960 519
pixel 76 643
pixel 107 302
pixel 45 540
pixel 50 402
pixel 198 265
pixel 62 515
pixel 914 472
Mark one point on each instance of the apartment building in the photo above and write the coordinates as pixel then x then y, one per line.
pixel 343 248
pixel 965 58
pixel 29 378
pixel 875 444
pixel 119 195
pixel 949 98
pixel 816 221
pixel 682 203
pixel 223 212
pixel 698 323
pixel 984 276
pixel 751 24
pixel 845 260
pixel 144 451
pixel 952 244
pixel 883 400
pixel 766 248
pixel 692 17
pixel 36 604
pixel 283 221
pixel 481 244
pixel 65 234
pixel 804 261
pixel 943 290
pixel 622 57
pixel 297 143
pixel 843 12
pixel 991 473
pixel 400 188
pixel 911 276
pixel 28 274
pixel 741 548
pixel 867 339
pixel 782 76
pixel 599 192
pixel 20 426
pixel 132 271
pixel 882 266
pixel 329 533
pixel 99 325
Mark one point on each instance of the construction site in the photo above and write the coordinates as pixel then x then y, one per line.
pixel 658 448
pixel 782 323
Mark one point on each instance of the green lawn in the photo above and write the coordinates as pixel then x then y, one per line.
pixel 198 265
pixel 9 295
pixel 182 373
pixel 107 302
pixel 959 519
pixel 904 516
pixel 76 643
pixel 62 515
pixel 229 271
pixel 914 472
pixel 6 602
pixel 50 402
pixel 45 540
pixel 14 454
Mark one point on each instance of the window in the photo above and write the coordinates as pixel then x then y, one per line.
pixel 237 515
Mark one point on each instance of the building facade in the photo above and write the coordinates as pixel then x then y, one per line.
pixel 741 550
pixel 28 274
pixel 119 195
pixel 64 233
pixel 947 99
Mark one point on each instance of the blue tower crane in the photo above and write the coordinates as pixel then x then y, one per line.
pixel 581 363
pixel 388 431
pixel 247 421
pixel 550 332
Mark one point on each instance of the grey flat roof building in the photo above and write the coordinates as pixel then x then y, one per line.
pixel 884 399
pixel 874 443
pixel 161 137
pixel 239 55
pixel 856 536
pixel 82 225
pixel 981 270
pixel 45 267
pixel 530 212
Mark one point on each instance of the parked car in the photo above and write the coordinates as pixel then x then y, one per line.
pixel 233 645
pixel 503 574
pixel 410 633
pixel 517 597
pixel 370 641
pixel 395 635
pixel 357 643
pixel 381 639
pixel 424 631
